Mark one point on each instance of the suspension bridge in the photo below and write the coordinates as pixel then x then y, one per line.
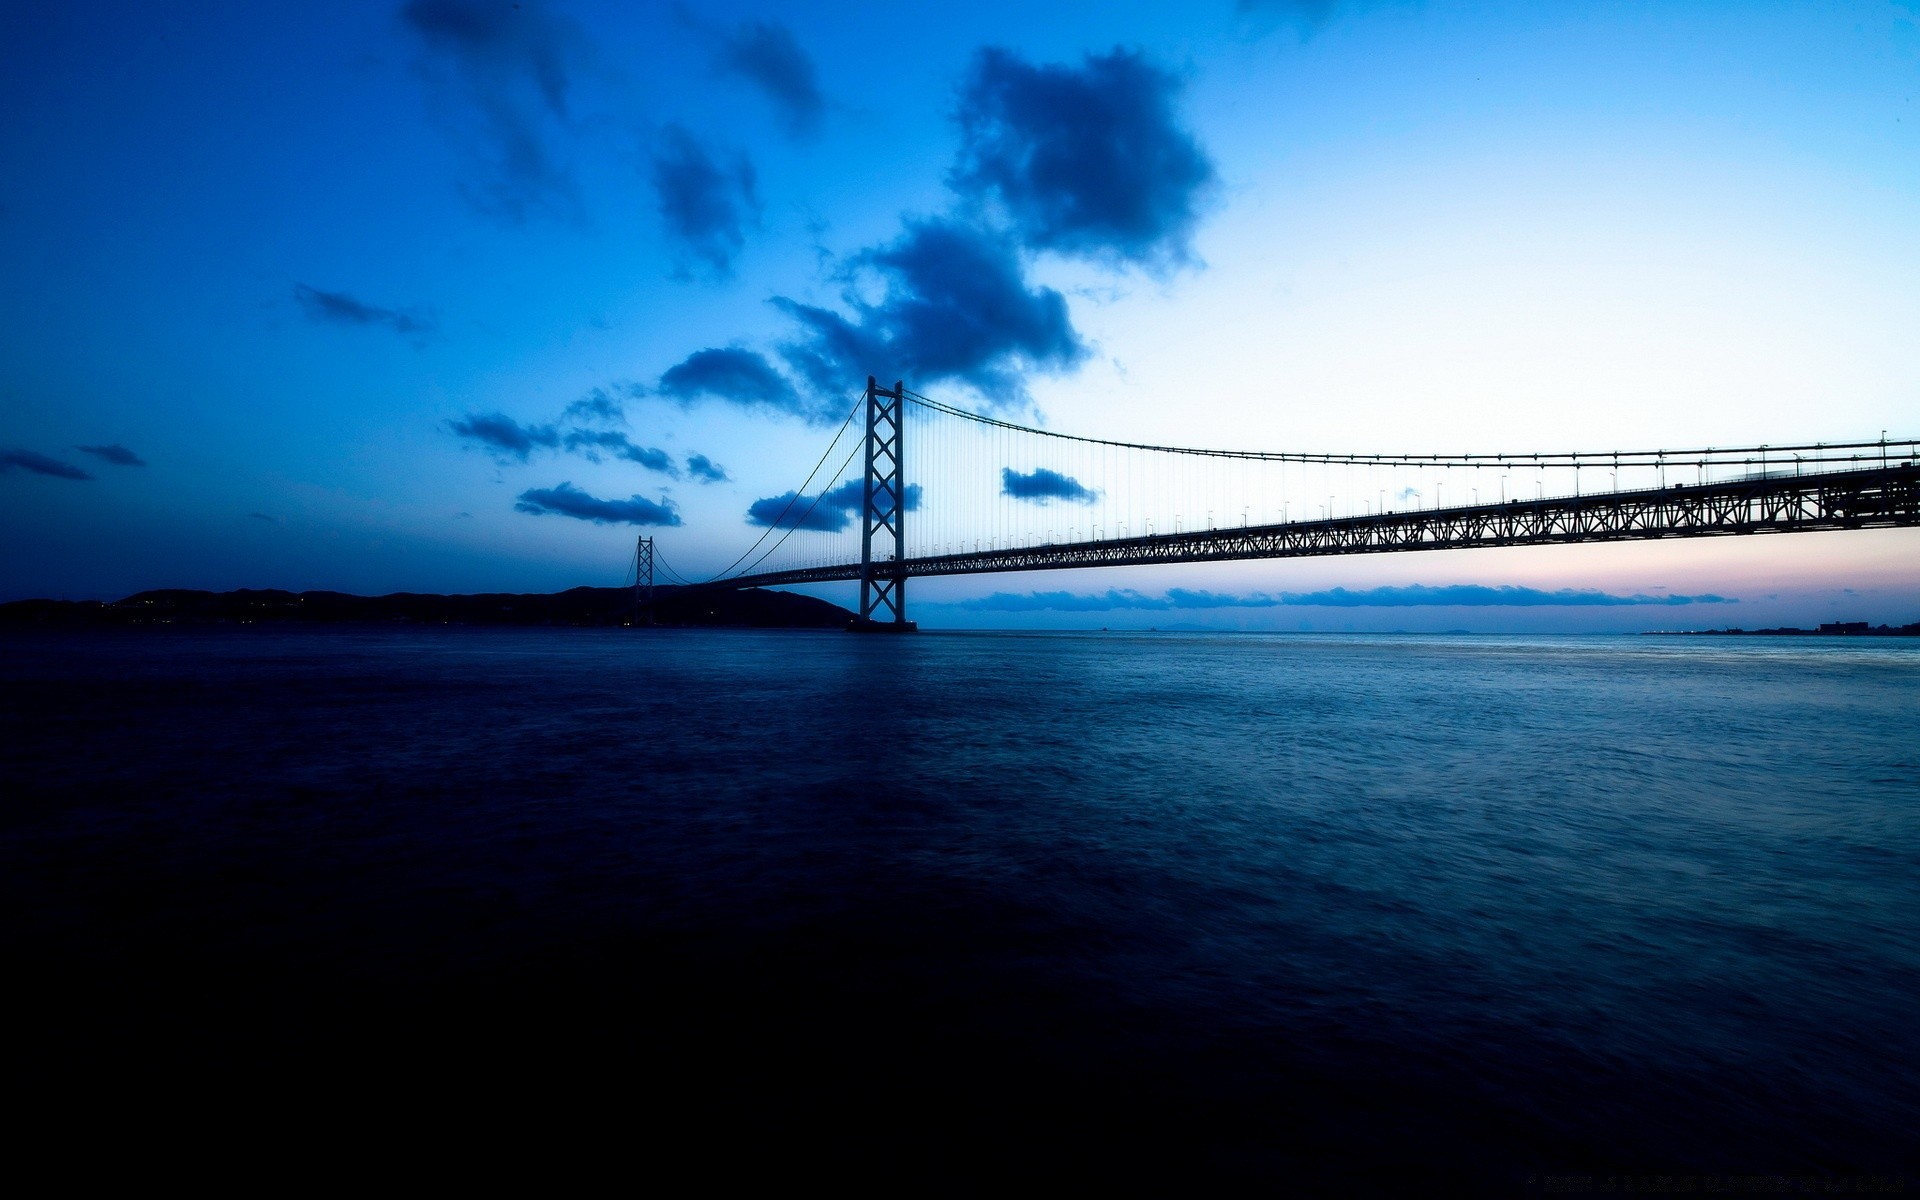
pixel 988 495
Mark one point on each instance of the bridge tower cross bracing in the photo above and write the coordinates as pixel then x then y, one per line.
pixel 883 586
pixel 643 582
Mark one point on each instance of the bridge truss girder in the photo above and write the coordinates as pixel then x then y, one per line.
pixel 1875 498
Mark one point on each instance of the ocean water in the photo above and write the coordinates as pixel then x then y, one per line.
pixel 1322 914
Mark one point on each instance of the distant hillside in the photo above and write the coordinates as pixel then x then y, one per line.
pixel 577 606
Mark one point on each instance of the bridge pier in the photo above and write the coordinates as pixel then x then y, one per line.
pixel 883 588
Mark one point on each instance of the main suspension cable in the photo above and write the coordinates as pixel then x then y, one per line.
pixel 1816 452
pixel 795 497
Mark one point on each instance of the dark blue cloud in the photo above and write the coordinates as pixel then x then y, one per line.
pixel 569 501
pixel 505 437
pixel 707 205
pixel 791 510
pixel 119 456
pixel 590 443
pixel 768 56
pixel 852 493
pixel 597 407
pixel 830 512
pixel 500 70
pixel 1043 486
pixel 742 377
pixel 1087 161
pixel 338 308
pixel 39 464
pixel 705 469
pixel 957 306
pixel 1410 596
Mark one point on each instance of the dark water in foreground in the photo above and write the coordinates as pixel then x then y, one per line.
pixel 1323 913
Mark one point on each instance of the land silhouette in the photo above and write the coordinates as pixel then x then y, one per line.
pixel 590 606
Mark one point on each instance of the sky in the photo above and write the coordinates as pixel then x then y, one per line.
pixel 464 295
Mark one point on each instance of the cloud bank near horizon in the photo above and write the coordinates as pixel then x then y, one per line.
pixel 1392 596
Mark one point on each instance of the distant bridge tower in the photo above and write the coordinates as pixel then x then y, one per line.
pixel 883 587
pixel 643 582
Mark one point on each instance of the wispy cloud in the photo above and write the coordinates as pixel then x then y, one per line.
pixel 505 437
pixel 597 407
pixel 1309 16
pixel 39 464
pixel 338 308
pixel 568 501
pixel 501 73
pixel 590 443
pixel 706 203
pixel 118 455
pixel 768 56
pixel 1408 596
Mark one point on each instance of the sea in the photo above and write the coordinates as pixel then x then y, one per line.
pixel 1303 914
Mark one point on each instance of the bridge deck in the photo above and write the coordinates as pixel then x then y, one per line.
pixel 1879 497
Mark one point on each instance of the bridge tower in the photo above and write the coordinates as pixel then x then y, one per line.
pixel 883 540
pixel 643 582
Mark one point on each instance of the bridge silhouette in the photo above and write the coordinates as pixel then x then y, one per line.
pixel 1148 504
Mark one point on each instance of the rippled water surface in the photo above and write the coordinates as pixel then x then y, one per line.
pixel 1336 913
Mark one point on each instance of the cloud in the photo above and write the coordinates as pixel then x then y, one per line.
pixel 596 408
pixel 830 512
pixel 1479 596
pixel 118 455
pixel 1042 486
pixel 742 377
pixel 957 306
pixel 505 437
pixel 589 443
pixel 791 510
pixel 569 501
pixel 338 308
pixel 705 469
pixel 1088 161
pixel 707 206
pixel 1187 598
pixel 1410 596
pixel 39 464
pixel 767 56
pixel 1113 598
pixel 1309 15
pixel 509 63
pixel 260 516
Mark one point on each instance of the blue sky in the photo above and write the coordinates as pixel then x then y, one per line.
pixel 446 295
